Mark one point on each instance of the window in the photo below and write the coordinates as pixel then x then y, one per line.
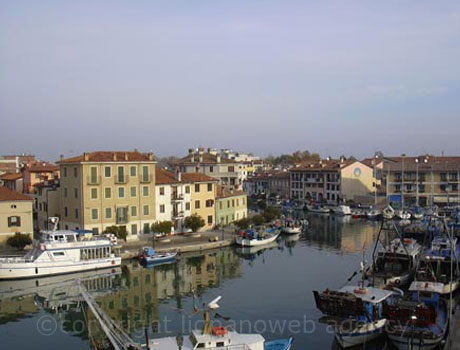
pixel 197 204
pixel 107 171
pixel 134 231
pixel 146 210
pixel 132 171
pixel 94 193
pixel 66 211
pixel 120 174
pixel 145 173
pixel 65 172
pixel 133 211
pixel 209 203
pixel 146 228
pixel 187 189
pixel 231 169
pixel 145 191
pixel 197 187
pixel 93 175
pixel 108 213
pixel 162 191
pixel 14 221
pixel 75 172
pixel 94 214
pixel 58 254
pixel 209 187
pixel 121 192
pixel 65 191
pixel 162 208
pixel 220 205
pixel 75 192
pixel 211 169
pixel 76 213
pixel 133 191
pixel 187 206
pixel 210 220
pixel 108 192
pixel 233 203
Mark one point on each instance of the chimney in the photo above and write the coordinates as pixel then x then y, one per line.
pixel 179 176
pixel 151 157
pixel 86 156
pixel 218 158
pixel 126 156
pixel 190 151
pixel 200 150
pixel 114 155
pixel 201 158
pixel 192 159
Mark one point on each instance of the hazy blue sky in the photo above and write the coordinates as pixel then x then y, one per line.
pixel 337 77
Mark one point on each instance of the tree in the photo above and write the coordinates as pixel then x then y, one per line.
pixel 194 222
pixel 119 231
pixel 162 227
pixel 258 220
pixel 271 213
pixel 243 223
pixel 19 241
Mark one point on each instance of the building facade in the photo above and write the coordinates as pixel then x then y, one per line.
pixel 256 185
pixel 13 181
pixel 279 184
pixel 102 189
pixel 16 214
pixel 46 203
pixel 228 172
pixel 36 172
pixel 230 206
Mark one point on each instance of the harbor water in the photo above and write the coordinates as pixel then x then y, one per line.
pixel 266 290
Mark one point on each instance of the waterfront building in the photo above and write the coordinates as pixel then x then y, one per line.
pixel 14 163
pixel 256 185
pixel 13 181
pixel 279 184
pixel 16 214
pixel 102 189
pixel 333 181
pixel 423 180
pixel 230 173
pixel 203 197
pixel 231 205
pixel 173 199
pixel 36 172
pixel 47 203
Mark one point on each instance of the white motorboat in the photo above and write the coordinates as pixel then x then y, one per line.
pixel 60 252
pixel 373 214
pixel 319 209
pixel 291 227
pixel 342 210
pixel 402 214
pixel 252 238
pixel 388 213
pixel 417 213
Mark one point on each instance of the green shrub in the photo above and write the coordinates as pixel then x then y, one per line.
pixel 19 241
pixel 194 222
pixel 243 223
pixel 258 220
pixel 119 231
pixel 162 227
pixel 271 213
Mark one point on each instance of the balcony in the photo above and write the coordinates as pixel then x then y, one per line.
pixel 121 179
pixel 93 180
pixel 177 214
pixel 147 178
pixel 176 197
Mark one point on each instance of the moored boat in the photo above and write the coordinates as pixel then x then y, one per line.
pixel 373 214
pixel 61 252
pixel 318 208
pixel 388 212
pixel 252 238
pixel 342 210
pixel 402 214
pixel 291 226
pixel 148 256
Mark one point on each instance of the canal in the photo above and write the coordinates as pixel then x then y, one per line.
pixel 266 290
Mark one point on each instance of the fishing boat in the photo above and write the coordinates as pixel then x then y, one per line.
pixel 342 210
pixel 148 257
pixel 439 266
pixel 417 213
pixel 318 208
pixel 402 214
pixel 63 251
pixel 291 227
pixel 420 322
pixel 252 238
pixel 388 212
pixel 355 312
pixel 218 337
pixel 395 264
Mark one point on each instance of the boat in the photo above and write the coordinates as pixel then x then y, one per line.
pixel 318 208
pixel 417 213
pixel 63 251
pixel 252 238
pixel 439 266
pixel 373 214
pixel 420 322
pixel 388 212
pixel 402 214
pixel 148 256
pixel 395 264
pixel 218 337
pixel 342 210
pixel 355 312
pixel 291 227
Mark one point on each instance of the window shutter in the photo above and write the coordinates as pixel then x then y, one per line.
pixel 9 221
pixel 18 221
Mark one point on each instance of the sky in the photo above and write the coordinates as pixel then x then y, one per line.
pixel 263 76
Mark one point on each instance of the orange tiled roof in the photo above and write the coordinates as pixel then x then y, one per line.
pixel 41 167
pixel 113 156
pixel 223 192
pixel 195 177
pixel 8 195
pixel 206 158
pixel 163 177
pixel 11 176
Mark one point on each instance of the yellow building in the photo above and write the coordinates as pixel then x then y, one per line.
pixel 102 189
pixel 16 214
pixel 203 197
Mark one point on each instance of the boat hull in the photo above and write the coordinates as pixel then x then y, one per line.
pixel 31 270
pixel 291 230
pixel 158 260
pixel 245 242
pixel 402 342
pixel 358 336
